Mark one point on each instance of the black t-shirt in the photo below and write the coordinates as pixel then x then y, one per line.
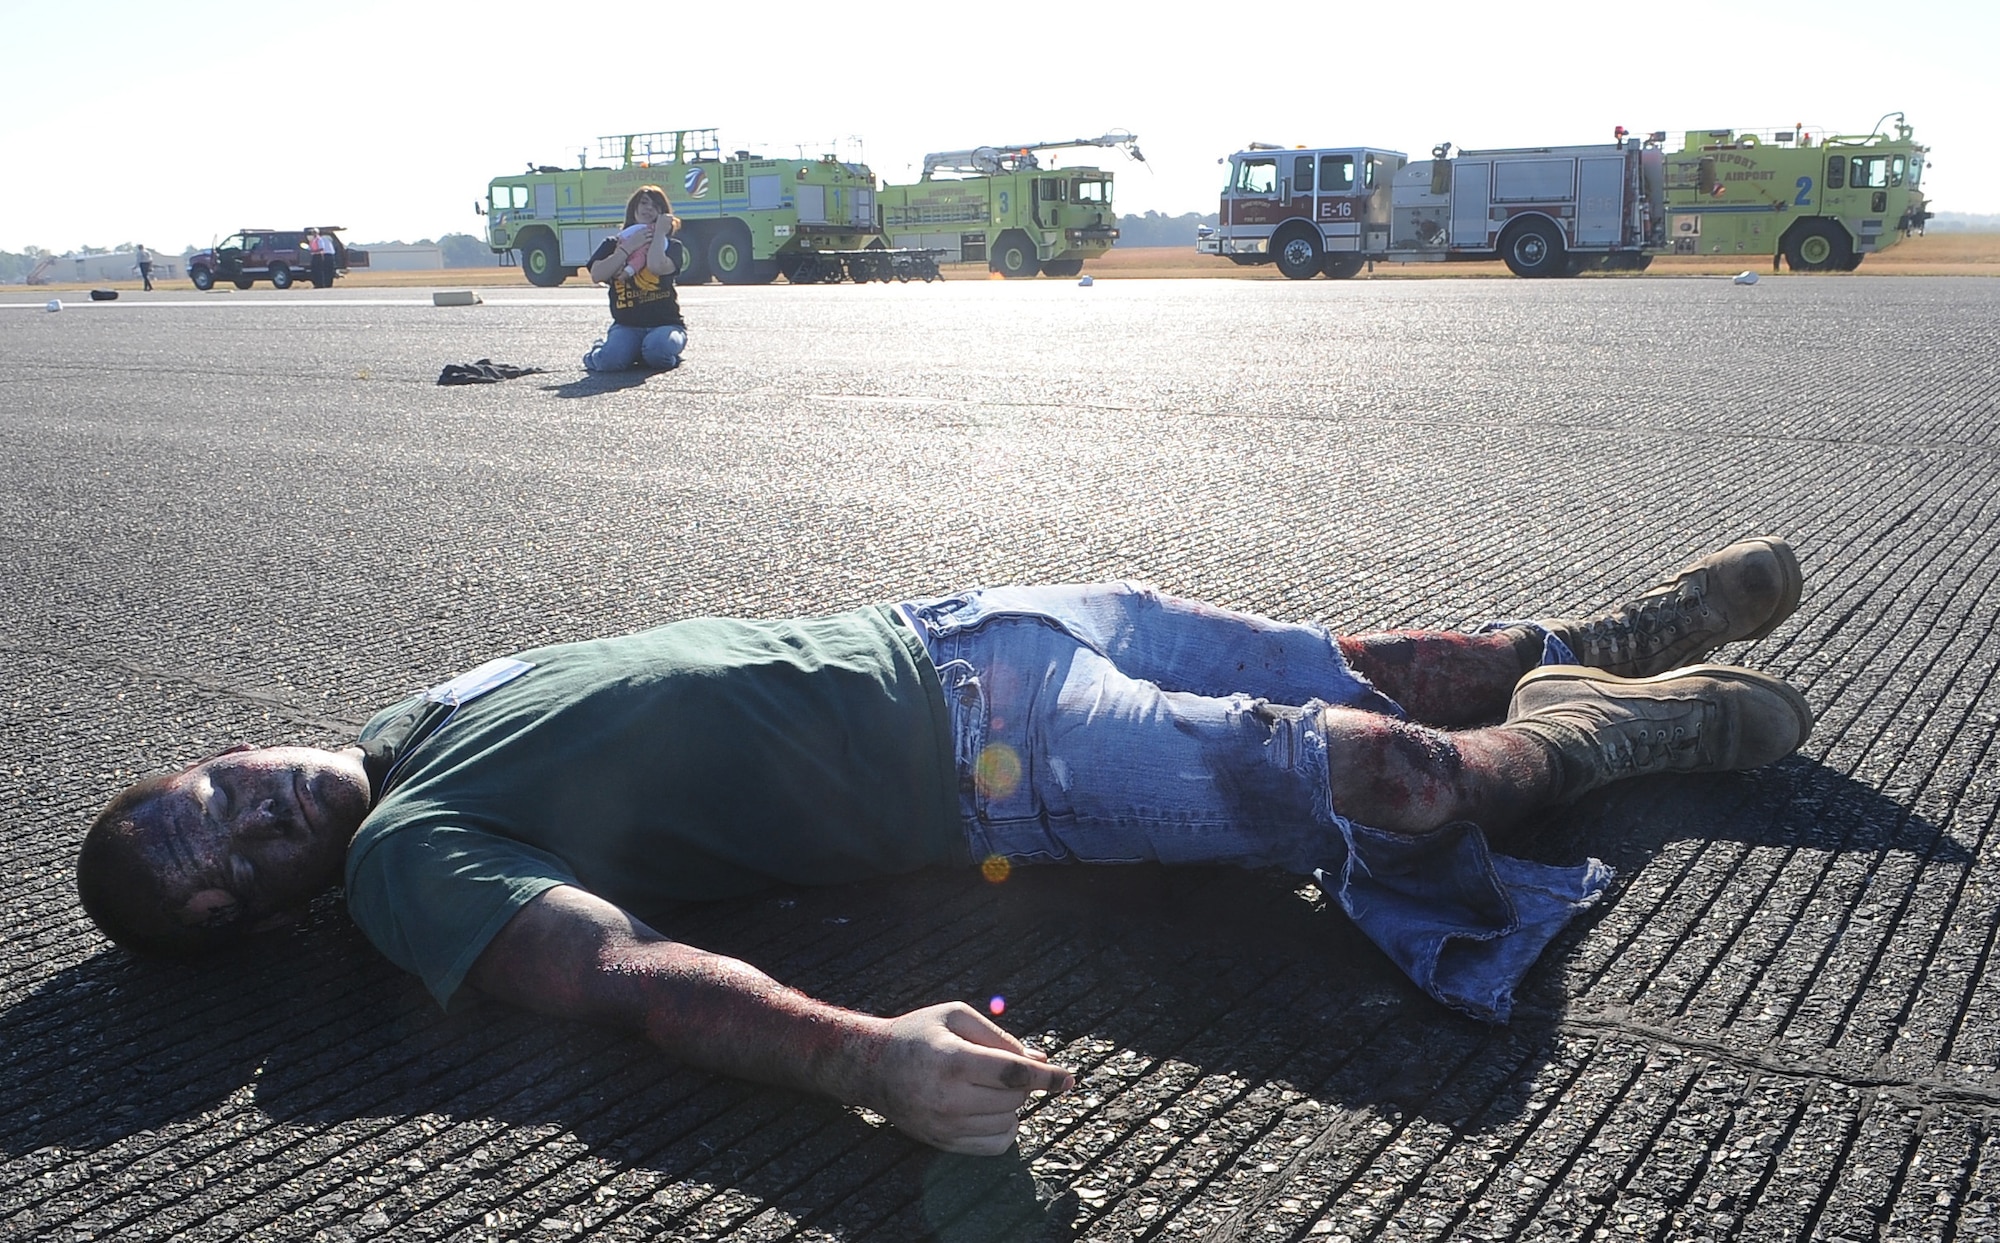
pixel 645 300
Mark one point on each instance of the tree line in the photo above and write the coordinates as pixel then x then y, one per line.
pixel 1154 229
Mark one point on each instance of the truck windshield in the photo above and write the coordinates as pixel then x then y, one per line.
pixel 1257 177
pixel 1093 192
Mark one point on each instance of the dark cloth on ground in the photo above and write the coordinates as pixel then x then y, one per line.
pixel 485 371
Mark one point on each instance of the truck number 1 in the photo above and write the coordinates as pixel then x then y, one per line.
pixel 1805 193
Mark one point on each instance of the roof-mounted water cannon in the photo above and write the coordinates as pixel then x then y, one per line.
pixel 1020 156
pixel 1903 130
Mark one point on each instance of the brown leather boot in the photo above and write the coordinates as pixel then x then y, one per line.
pixel 1703 719
pixel 1739 593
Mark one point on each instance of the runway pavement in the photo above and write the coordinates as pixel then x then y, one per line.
pixel 254 516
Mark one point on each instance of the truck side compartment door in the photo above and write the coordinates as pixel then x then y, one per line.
pixel 810 203
pixel 1471 203
pixel 1600 194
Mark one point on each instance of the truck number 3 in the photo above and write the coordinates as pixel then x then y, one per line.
pixel 1805 193
pixel 1003 202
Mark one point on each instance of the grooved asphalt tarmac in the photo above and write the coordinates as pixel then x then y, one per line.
pixel 254 516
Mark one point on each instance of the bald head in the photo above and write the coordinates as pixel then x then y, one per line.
pixel 120 879
pixel 239 842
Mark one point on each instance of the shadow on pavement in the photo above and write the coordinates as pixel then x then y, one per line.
pixel 1147 980
pixel 597 383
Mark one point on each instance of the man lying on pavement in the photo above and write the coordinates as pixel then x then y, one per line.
pixel 496 831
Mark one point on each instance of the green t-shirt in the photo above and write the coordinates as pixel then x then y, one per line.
pixel 700 760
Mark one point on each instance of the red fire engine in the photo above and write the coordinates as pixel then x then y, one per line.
pixel 1546 211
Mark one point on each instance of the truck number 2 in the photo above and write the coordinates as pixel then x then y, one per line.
pixel 1805 193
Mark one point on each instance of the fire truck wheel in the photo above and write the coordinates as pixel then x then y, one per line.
pixel 1817 246
pixel 1341 267
pixel 203 279
pixel 539 261
pixel 281 276
pixel 696 272
pixel 1297 254
pixel 729 254
pixel 1534 248
pixel 1014 258
pixel 1063 267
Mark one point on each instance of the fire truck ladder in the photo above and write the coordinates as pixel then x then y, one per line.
pixel 987 161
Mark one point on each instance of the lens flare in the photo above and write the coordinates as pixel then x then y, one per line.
pixel 995 868
pixel 998 1005
pixel 998 771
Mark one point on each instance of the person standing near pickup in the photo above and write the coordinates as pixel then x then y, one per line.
pixel 319 258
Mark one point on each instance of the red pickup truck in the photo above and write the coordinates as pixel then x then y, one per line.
pixel 277 255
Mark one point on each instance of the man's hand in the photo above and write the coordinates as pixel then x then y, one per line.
pixel 943 1074
pixel 949 1077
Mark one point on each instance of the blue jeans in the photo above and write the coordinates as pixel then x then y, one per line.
pixel 624 346
pixel 1108 723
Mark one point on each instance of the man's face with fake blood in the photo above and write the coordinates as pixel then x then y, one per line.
pixel 247 838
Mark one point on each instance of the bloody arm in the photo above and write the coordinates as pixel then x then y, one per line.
pixel 943 1074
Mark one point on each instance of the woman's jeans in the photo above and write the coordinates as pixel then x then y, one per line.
pixel 624 346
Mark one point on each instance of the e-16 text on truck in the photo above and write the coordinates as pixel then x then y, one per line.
pixel 745 219
pixel 998 205
pixel 1556 211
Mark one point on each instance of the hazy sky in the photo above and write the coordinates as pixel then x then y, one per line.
pixel 172 123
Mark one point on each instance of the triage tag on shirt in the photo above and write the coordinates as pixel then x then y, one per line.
pixel 473 683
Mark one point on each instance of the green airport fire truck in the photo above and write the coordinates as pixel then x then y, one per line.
pixel 1000 206
pixel 746 219
pixel 1819 203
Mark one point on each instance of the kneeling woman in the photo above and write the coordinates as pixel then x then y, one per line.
pixel 639 265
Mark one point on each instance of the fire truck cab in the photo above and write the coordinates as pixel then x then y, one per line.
pixel 1309 210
